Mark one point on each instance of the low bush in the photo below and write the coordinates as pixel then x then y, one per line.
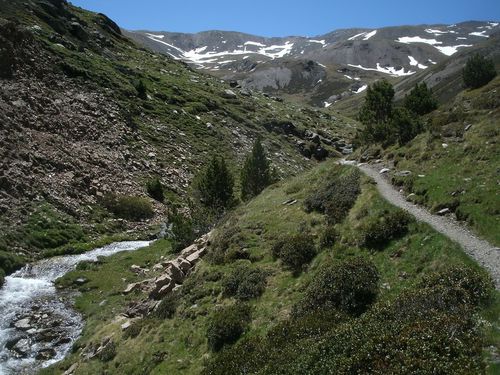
pixel 108 352
pixel 167 307
pixel 155 190
pixel 245 282
pixel 336 197
pixel 227 325
pixel 181 230
pixel 328 236
pixel 350 286
pixel 378 231
pixel 295 251
pixel 476 285
pixel 134 330
pixel 424 331
pixel 128 207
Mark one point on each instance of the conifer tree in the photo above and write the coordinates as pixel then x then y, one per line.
pixel 478 71
pixel 256 173
pixel 215 184
pixel 420 101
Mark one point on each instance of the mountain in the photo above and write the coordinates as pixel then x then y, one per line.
pixel 86 115
pixel 325 68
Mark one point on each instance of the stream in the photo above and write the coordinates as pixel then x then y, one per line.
pixel 38 324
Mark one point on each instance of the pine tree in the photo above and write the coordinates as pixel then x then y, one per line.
pixel 142 90
pixel 215 184
pixel 420 100
pixel 378 103
pixel 376 112
pixel 478 71
pixel 256 173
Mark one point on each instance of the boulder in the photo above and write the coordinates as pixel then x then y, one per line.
pixel 403 173
pixel 131 287
pixel 189 250
pixel 229 94
pixel 176 273
pixel 23 324
pixel 194 258
pixel 22 347
pixel 183 264
pixel 45 354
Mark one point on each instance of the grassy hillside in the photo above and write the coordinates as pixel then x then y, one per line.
pixel 88 114
pixel 406 259
pixel 454 164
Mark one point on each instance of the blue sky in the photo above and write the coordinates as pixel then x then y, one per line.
pixel 287 17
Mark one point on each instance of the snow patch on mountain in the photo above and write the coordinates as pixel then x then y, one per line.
pixel 451 50
pixel 360 90
pixel 322 42
pixel 387 70
pixel 446 50
pixel 250 43
pixel 366 35
pixel 370 34
pixel 480 33
pixel 414 62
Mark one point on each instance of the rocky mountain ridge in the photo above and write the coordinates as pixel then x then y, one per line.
pixel 75 128
pixel 322 67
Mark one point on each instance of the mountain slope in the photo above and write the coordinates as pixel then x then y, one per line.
pixel 77 126
pixel 346 60
pixel 177 342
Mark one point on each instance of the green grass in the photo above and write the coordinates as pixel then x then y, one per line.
pixel 178 345
pixel 463 174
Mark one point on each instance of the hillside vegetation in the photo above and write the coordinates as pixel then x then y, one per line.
pixel 376 284
pixel 453 164
pixel 90 119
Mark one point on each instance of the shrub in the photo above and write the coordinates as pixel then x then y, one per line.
pixel 181 230
pixel 155 190
pixel 134 330
pixel 424 331
pixel 350 286
pixel 477 286
pixel 256 172
pixel 420 101
pixel 478 71
pixel 295 251
pixel 227 325
pixel 108 352
pixel 328 236
pixel 336 197
pixel 128 207
pixel 378 231
pixel 244 282
pixel 167 307
pixel 142 90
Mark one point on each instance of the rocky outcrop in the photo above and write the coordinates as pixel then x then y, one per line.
pixel 172 274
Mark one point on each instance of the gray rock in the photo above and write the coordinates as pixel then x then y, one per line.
pixel 444 211
pixel 22 347
pixel 176 273
pixel 45 354
pixel 23 324
pixel 229 94
pixel 403 173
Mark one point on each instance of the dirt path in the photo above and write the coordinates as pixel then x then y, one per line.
pixel 487 255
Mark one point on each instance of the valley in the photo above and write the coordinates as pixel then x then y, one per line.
pixel 224 203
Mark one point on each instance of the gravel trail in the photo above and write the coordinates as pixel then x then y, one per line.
pixel 487 255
